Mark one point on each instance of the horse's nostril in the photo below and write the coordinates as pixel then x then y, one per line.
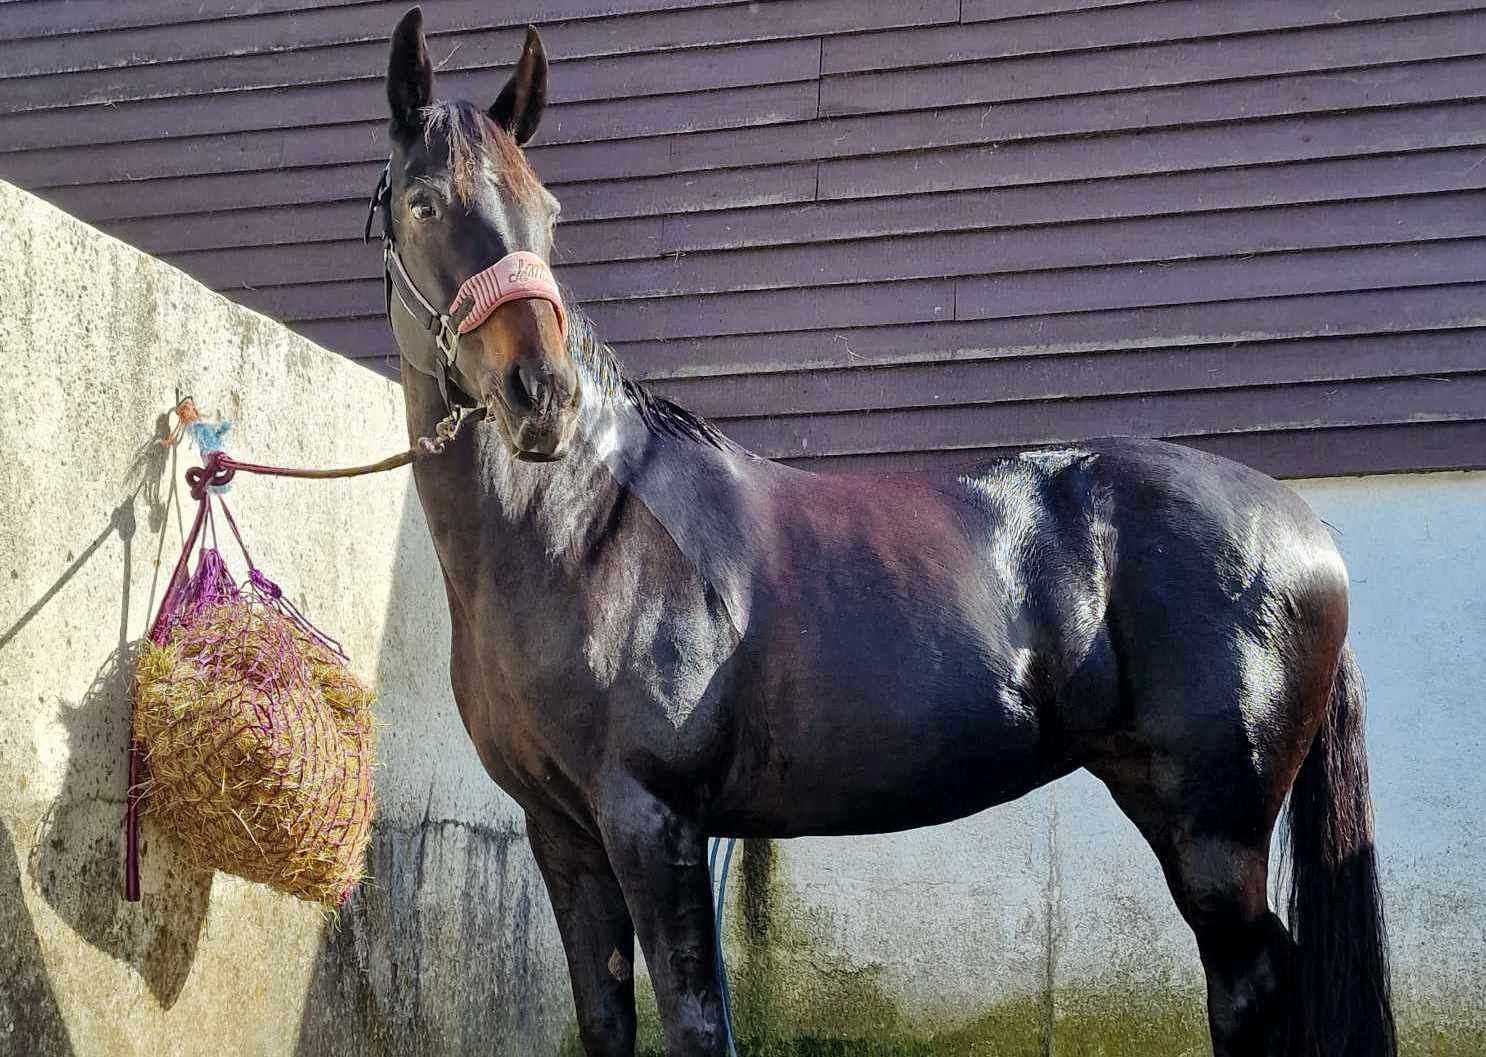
pixel 532 388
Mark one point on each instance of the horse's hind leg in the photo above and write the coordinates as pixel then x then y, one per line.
pixel 1218 873
pixel 597 936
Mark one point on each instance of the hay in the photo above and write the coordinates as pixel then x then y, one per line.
pixel 259 747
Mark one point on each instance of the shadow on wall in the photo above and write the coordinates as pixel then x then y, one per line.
pixel 76 860
pixel 30 1021
pixel 450 948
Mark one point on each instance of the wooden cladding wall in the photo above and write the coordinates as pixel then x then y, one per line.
pixel 863 234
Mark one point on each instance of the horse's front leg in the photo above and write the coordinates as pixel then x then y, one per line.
pixel 660 860
pixel 597 935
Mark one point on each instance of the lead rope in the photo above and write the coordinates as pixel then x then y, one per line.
pixel 722 969
pixel 221 465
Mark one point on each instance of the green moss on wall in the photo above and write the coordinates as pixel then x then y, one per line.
pixel 794 996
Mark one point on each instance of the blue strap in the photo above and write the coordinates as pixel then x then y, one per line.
pixel 721 881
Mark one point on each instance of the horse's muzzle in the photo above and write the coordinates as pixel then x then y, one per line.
pixel 538 410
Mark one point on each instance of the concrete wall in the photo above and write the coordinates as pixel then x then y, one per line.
pixel 1044 926
pixel 451 948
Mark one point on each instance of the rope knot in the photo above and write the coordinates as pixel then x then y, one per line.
pixel 214 473
pixel 264 585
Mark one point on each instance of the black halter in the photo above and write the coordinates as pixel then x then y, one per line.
pixel 442 327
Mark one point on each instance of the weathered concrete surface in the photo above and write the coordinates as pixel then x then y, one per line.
pixel 1044 926
pixel 451 948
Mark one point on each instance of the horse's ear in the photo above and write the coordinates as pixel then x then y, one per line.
pixel 518 108
pixel 409 76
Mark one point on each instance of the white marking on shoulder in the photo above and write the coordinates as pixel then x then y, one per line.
pixel 1052 460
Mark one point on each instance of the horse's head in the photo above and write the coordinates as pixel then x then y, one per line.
pixel 472 226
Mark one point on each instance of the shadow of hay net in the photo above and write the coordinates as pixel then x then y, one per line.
pixel 75 860
pixel 75 863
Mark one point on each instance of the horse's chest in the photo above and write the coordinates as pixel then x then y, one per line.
pixel 518 728
pixel 548 705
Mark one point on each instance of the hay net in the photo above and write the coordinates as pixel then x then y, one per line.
pixel 255 740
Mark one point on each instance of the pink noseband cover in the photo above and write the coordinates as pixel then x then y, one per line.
pixel 519 276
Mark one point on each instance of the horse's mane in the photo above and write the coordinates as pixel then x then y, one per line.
pixel 660 415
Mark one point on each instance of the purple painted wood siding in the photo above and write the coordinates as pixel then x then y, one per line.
pixel 864 236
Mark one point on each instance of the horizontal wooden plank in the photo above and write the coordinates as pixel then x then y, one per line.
pixel 1144 66
pixel 1065 268
pixel 286 225
pixel 1420 172
pixel 260 243
pixel 366 338
pixel 1037 294
pixel 1079 245
pixel 262 60
pixel 687 192
pixel 1134 111
pixel 1010 379
pixel 1366 313
pixel 982 10
pixel 1160 22
pixel 1162 150
pixel 1195 282
pixel 273 151
pixel 760 95
pixel 63 19
pixel 1376 312
pixel 209 192
pixel 610 160
pixel 1359 450
pixel 1283 454
pixel 1292 453
pixel 723 189
pixel 53 18
pixel 1456 398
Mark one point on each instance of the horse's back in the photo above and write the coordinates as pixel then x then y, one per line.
pixel 1165 518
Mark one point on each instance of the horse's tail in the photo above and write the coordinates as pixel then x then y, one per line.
pixel 1342 1003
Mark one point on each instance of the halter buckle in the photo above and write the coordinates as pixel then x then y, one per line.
pixel 446 337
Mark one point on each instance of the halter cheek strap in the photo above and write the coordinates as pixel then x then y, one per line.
pixel 443 329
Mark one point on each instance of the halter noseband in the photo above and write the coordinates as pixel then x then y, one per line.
pixel 518 276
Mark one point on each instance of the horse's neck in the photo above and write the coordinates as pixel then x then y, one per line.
pixel 501 523
pixel 519 528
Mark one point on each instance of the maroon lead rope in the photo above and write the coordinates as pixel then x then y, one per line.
pixel 218 469
pixel 158 630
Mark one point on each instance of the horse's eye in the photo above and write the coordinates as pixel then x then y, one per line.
pixel 424 210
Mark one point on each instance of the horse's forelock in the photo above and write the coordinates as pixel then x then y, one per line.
pixel 471 137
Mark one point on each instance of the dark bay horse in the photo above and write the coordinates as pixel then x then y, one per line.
pixel 658 636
